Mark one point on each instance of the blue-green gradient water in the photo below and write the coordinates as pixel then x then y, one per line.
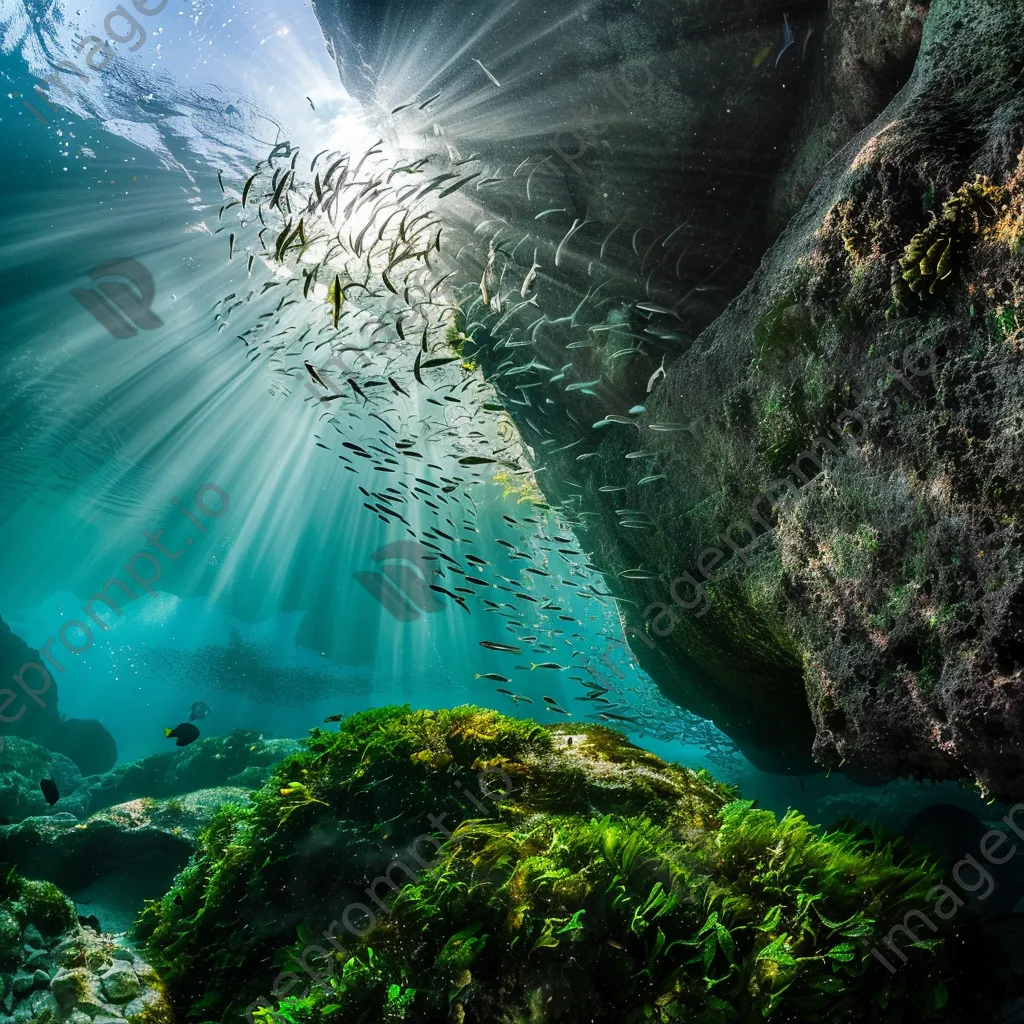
pixel 260 614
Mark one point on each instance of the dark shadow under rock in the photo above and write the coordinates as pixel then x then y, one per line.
pixel 115 860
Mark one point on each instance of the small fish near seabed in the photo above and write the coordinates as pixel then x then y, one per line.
pixel 185 733
pixel 49 790
pixel 198 711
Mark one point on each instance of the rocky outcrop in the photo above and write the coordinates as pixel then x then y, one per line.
pixel 460 865
pixel 31 710
pixel 847 503
pixel 14 653
pixel 146 817
pixel 23 764
pixel 830 545
pixel 140 845
pixel 54 971
pixel 242 758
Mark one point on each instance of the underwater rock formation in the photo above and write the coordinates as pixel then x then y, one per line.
pixel 35 720
pixel 22 765
pixel 459 866
pixel 146 816
pixel 241 758
pixel 131 850
pixel 848 499
pixel 54 971
pixel 834 539
pixel 84 740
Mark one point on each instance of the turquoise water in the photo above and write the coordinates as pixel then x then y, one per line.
pixel 271 597
pixel 101 433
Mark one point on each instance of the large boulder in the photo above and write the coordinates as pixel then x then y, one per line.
pixel 855 600
pixel 85 741
pixel 459 865
pixel 843 525
pixel 23 765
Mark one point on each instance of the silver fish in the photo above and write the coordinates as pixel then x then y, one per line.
pixel 667 427
pixel 486 72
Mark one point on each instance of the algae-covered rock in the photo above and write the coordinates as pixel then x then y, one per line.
pixel 53 971
pixel 841 530
pixel 133 849
pixel 241 758
pixel 463 866
pixel 23 764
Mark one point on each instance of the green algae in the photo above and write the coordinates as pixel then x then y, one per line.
pixel 37 902
pixel 603 884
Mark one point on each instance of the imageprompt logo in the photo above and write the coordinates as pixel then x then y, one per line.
pixel 402 585
pixel 122 298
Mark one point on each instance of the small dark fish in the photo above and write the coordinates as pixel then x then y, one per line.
pixel 506 648
pixel 245 190
pixel 336 298
pixel 198 710
pixel 448 593
pixel 431 100
pixel 184 732
pixel 50 791
pixel 553 705
pixel 547 664
pixel 398 388
pixel 454 188
pixel 608 716
pixel 494 677
pixel 310 102
pixel 517 697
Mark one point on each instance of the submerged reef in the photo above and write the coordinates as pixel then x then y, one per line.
pixel 54 971
pixel 459 865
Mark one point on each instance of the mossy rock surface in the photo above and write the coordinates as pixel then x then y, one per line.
pixel 53 970
pixel 459 865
